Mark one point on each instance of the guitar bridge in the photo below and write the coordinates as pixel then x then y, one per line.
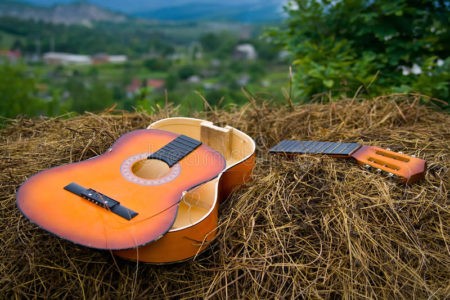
pixel 101 200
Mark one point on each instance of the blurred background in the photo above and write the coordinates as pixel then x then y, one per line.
pixel 60 56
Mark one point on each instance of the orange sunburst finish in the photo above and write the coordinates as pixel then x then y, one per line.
pixel 45 202
pixel 197 219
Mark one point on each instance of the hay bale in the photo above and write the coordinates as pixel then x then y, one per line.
pixel 313 226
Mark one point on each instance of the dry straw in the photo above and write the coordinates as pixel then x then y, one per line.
pixel 309 227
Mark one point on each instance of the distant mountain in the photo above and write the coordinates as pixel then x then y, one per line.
pixel 230 10
pixel 70 13
pixel 216 11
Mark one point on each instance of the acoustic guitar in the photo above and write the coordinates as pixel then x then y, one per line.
pixel 407 168
pixel 124 198
pixel 195 226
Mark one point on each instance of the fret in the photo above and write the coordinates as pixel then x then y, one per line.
pixel 318 147
pixel 330 147
pixel 313 147
pixel 340 149
pixel 176 150
pixel 307 146
pixel 321 147
pixel 289 145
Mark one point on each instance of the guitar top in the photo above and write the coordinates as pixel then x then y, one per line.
pixel 409 169
pixel 124 198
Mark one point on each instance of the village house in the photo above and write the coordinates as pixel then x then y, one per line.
pixel 103 58
pixel 136 84
pixel 245 52
pixel 58 58
pixel 10 55
pixel 117 59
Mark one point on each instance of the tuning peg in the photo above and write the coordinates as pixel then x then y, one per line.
pixel 367 167
pixel 378 170
pixel 390 175
pixel 388 149
pixel 400 152
pixel 413 155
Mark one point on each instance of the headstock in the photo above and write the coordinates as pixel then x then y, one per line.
pixel 408 168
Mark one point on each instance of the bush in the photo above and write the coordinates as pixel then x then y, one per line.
pixel 157 64
pixel 18 90
pixel 341 45
pixel 187 71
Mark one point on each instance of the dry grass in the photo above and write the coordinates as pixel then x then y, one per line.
pixel 310 227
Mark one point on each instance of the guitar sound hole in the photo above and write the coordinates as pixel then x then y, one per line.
pixel 150 169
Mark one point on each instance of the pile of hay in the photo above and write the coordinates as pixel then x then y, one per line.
pixel 313 226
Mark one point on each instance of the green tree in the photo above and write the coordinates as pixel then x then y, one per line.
pixel 344 44
pixel 171 81
pixel 91 96
pixel 157 64
pixel 219 44
pixel 18 91
pixel 266 50
pixel 187 71
pixel 209 41
pixel 17 45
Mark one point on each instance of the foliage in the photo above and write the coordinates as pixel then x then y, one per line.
pixel 18 91
pixel 131 38
pixel 341 45
pixel 94 96
pixel 157 64
pixel 186 71
pixel 143 101
pixel 219 44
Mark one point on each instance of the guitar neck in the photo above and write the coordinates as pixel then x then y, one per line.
pixel 176 150
pixel 312 147
pixel 409 169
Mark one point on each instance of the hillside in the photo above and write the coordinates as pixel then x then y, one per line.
pixel 306 227
pixel 181 10
pixel 215 11
pixel 76 13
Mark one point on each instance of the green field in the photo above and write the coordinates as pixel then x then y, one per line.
pixel 195 60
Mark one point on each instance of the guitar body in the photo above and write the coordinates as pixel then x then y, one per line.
pixel 149 188
pixel 196 223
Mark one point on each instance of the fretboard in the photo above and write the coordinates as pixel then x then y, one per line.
pixel 176 150
pixel 311 147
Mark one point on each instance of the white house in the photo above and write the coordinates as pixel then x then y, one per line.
pixel 245 51
pixel 66 59
pixel 118 59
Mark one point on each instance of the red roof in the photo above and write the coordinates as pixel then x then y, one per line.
pixel 136 83
pixel 156 83
pixel 11 54
pixel 134 86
